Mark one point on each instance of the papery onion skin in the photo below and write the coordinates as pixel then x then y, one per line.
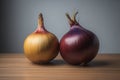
pixel 78 45
pixel 41 46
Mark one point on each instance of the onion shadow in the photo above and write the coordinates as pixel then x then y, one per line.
pixel 97 63
pixel 92 64
pixel 55 62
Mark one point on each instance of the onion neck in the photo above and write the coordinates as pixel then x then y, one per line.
pixel 72 21
pixel 40 27
pixel 40 21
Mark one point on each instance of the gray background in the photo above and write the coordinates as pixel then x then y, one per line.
pixel 18 18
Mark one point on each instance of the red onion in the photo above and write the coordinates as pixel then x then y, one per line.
pixel 78 45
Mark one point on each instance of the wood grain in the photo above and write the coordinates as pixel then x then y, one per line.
pixel 18 67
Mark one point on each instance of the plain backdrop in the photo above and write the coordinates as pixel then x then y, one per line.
pixel 18 18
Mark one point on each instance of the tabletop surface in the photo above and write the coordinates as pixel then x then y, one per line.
pixel 18 67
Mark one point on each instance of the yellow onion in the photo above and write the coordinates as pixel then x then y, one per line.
pixel 41 46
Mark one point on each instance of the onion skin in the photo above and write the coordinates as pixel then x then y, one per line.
pixel 78 45
pixel 41 46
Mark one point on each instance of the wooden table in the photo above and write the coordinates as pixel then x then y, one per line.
pixel 17 67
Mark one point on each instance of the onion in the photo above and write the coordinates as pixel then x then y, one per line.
pixel 41 46
pixel 78 45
